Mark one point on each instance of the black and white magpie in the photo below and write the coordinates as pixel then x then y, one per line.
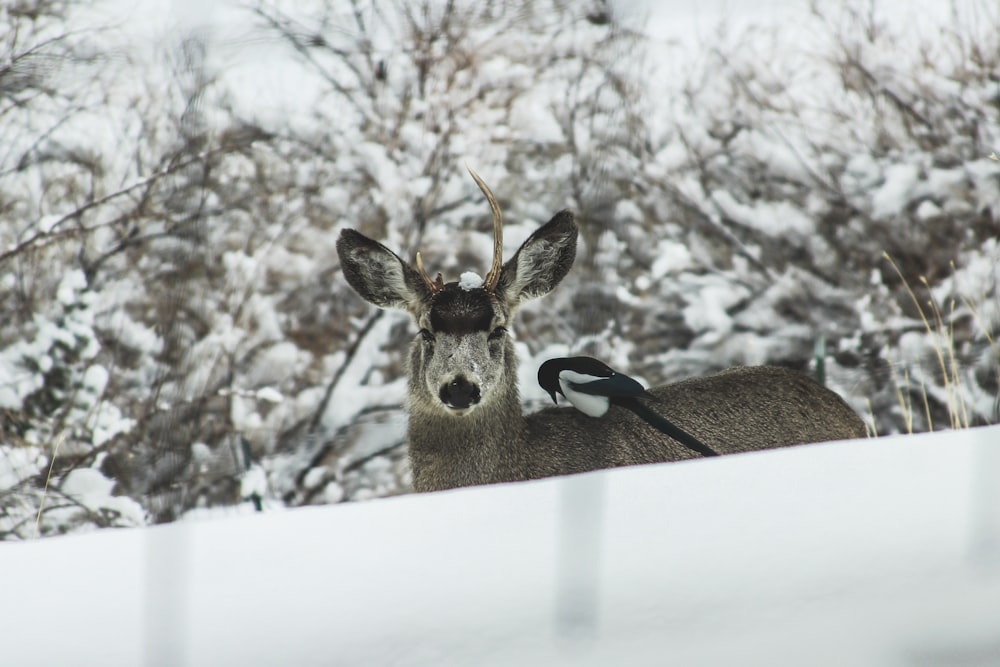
pixel 592 387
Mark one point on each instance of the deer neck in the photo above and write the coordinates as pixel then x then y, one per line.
pixel 484 447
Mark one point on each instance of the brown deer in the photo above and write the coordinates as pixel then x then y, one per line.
pixel 466 424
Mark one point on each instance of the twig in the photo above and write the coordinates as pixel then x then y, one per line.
pixel 358 463
pixel 53 233
pixel 45 488
pixel 351 353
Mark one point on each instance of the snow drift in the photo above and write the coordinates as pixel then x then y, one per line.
pixel 869 552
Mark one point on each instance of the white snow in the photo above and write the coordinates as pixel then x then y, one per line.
pixel 901 182
pixel 470 280
pixel 878 552
pixel 352 394
pixel 671 258
pixel 771 218
pixel 74 281
pixel 333 493
pixel 253 482
pixel 92 490
pixel 20 463
pixel 270 395
pixel 928 210
pixel 708 303
pixel 106 421
pixel 131 333
pixel 277 363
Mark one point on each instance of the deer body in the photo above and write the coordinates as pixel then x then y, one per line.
pixel 724 410
pixel 466 424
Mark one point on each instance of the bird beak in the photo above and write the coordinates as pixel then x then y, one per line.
pixel 553 395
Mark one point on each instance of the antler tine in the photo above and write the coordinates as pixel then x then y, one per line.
pixel 433 286
pixel 493 277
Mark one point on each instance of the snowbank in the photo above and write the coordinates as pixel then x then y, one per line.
pixel 877 552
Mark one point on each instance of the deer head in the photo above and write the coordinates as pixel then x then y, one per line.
pixel 462 360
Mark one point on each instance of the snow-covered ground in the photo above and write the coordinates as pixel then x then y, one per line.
pixel 877 552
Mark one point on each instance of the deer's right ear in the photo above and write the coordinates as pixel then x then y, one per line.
pixel 378 274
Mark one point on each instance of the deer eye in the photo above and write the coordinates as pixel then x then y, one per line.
pixel 427 336
pixel 498 333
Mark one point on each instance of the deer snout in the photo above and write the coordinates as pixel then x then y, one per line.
pixel 459 394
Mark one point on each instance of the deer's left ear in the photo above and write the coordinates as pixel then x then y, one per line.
pixel 379 275
pixel 541 262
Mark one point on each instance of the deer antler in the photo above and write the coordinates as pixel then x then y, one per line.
pixel 434 286
pixel 493 277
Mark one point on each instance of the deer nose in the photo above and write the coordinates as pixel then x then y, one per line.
pixel 459 393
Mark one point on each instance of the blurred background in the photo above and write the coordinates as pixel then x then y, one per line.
pixel 810 185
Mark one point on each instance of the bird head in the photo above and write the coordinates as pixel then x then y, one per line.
pixel 548 377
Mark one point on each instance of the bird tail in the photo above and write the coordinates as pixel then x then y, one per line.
pixel 664 425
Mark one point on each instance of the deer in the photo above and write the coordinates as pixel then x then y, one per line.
pixel 466 425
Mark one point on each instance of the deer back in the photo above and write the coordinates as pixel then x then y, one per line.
pixel 738 410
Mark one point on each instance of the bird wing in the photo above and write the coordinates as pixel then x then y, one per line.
pixel 616 384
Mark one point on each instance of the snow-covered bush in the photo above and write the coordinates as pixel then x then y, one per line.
pixel 202 239
pixel 819 172
pixel 55 410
